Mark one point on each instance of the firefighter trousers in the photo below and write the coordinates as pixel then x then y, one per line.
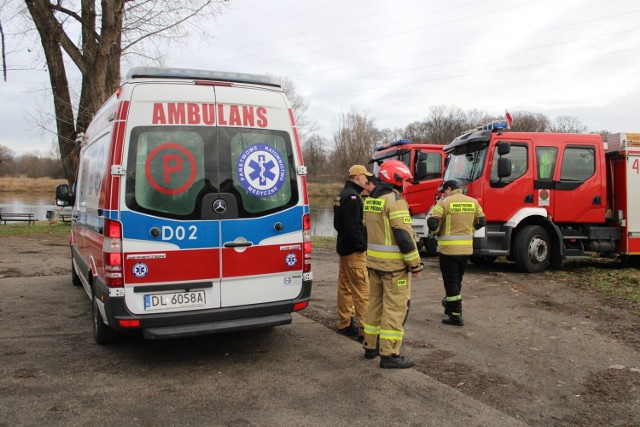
pixel 353 289
pixel 388 310
pixel 453 268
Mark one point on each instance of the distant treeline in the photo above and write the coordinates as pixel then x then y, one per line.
pixel 29 165
pixel 356 135
pixel 354 139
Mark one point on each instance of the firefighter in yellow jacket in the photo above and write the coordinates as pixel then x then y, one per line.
pixel 453 220
pixel 392 259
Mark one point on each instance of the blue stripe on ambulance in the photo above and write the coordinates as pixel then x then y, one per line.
pixel 202 234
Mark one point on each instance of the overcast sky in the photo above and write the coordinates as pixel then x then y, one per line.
pixel 394 59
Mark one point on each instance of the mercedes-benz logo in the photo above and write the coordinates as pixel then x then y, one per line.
pixel 219 206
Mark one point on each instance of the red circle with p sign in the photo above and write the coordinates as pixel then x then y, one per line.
pixel 169 161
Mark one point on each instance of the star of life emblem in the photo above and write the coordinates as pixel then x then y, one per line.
pixel 261 170
pixel 140 269
pixel 291 259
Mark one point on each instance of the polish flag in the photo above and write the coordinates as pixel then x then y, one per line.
pixel 509 119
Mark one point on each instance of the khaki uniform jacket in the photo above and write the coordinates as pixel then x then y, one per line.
pixel 458 215
pixel 387 218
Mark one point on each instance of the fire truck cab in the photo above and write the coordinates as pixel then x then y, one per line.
pixel 548 196
pixel 426 163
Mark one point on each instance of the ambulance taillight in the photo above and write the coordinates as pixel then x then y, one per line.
pixel 306 244
pixel 112 253
pixel 300 305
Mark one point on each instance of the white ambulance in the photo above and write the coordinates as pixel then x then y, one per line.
pixel 191 213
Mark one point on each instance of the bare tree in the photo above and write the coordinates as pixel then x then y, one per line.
pixel 314 152
pixel 6 160
pixel 568 124
pixel 525 121
pixel 444 123
pixel 389 135
pixel 417 132
pixel 354 138
pixel 299 106
pixel 29 165
pixel 104 31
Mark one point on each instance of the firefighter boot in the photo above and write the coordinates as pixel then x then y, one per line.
pixel 395 361
pixel 372 353
pixel 349 331
pixel 453 320
pixel 444 305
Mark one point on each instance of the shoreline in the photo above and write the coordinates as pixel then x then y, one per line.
pixel 47 186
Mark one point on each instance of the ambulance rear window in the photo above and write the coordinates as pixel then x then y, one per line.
pixel 170 170
pixel 165 170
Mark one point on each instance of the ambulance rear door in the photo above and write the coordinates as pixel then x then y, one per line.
pixel 259 204
pixel 170 240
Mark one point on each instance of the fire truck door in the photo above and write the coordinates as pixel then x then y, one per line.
pixel 579 186
pixel 508 195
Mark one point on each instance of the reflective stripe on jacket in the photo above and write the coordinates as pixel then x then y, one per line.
pixel 457 214
pixel 382 214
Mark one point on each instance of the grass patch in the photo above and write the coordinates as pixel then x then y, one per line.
pixel 39 229
pixel 614 280
pixel 324 189
pixel 323 242
pixel 29 185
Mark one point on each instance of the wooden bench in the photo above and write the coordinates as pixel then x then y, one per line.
pixel 65 217
pixel 10 216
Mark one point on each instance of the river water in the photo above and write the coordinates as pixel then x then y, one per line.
pixel 321 210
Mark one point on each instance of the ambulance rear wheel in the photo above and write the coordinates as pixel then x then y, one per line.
pixel 532 249
pixel 102 333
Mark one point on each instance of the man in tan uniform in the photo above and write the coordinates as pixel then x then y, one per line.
pixel 353 280
pixel 453 221
pixel 392 259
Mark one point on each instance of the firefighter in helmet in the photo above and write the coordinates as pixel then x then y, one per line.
pixel 392 259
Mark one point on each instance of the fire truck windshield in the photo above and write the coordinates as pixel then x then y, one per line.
pixel 466 167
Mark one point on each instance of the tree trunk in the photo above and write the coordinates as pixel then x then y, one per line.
pixel 99 63
pixel 50 34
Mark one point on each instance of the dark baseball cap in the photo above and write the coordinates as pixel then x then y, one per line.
pixel 452 184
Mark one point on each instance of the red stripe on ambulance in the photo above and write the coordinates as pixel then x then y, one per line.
pixel 175 266
pixel 259 260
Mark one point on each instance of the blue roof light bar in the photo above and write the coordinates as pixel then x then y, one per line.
pixel 493 126
pixel 393 144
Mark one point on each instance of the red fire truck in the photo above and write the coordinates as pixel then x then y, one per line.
pixel 426 162
pixel 550 196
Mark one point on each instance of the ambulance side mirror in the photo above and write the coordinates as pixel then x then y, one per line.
pixel 64 197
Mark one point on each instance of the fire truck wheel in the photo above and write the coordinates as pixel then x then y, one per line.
pixel 531 249
pixel 102 333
